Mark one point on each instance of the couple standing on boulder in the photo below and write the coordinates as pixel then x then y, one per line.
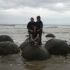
pixel 35 30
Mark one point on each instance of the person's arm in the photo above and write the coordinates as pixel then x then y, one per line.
pixel 29 28
pixel 41 26
pixel 36 37
pixel 31 37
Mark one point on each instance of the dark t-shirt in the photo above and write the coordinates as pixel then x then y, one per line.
pixel 39 25
pixel 30 25
pixel 34 34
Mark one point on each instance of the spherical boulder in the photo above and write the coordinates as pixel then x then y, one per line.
pixel 5 38
pixel 50 35
pixel 35 53
pixel 24 44
pixel 57 47
pixel 8 47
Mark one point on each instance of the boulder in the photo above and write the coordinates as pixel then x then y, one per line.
pixel 24 44
pixel 50 35
pixel 5 38
pixel 35 53
pixel 8 47
pixel 57 47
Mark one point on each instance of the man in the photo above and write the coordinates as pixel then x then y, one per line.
pixel 35 36
pixel 40 27
pixel 30 26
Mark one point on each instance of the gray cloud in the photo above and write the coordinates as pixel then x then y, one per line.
pixel 12 19
pixel 6 4
pixel 6 17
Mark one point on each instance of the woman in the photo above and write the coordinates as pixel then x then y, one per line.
pixel 40 27
pixel 30 26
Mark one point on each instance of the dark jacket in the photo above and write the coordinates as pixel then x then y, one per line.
pixel 30 25
pixel 39 25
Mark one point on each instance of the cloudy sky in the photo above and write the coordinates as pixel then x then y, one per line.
pixel 20 11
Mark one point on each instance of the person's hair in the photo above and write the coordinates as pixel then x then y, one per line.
pixel 32 18
pixel 38 17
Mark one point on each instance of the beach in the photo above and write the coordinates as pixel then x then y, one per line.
pixel 18 33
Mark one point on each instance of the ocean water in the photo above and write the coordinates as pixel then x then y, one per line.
pixel 18 34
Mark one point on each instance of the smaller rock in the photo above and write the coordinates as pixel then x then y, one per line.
pixel 8 47
pixel 23 45
pixel 5 38
pixel 50 35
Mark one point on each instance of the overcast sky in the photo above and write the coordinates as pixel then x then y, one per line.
pixel 20 11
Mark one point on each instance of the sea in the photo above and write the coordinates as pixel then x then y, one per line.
pixel 19 32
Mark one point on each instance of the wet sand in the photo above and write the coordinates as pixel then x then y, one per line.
pixel 18 34
pixel 16 62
